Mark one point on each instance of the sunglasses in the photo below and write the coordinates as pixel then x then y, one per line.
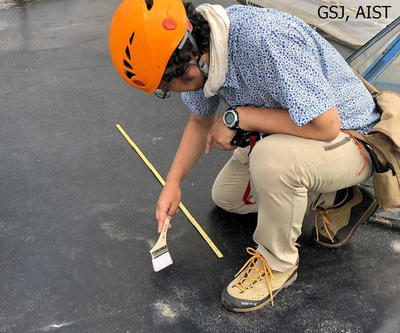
pixel 162 93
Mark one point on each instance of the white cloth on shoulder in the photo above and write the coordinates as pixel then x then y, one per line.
pixel 218 20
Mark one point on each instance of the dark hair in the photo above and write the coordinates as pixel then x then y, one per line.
pixel 201 33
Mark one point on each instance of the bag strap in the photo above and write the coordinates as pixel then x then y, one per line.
pixel 246 195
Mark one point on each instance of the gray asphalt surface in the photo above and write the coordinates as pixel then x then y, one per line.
pixel 77 204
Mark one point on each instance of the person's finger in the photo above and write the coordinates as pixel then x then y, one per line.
pixel 162 216
pixel 173 209
pixel 169 225
pixel 158 211
pixel 218 145
pixel 229 147
pixel 208 143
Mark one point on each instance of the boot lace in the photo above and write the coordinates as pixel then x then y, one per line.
pixel 323 212
pixel 247 281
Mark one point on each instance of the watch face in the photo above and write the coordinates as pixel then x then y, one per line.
pixel 229 118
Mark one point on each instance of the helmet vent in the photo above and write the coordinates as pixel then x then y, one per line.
pixel 128 54
pixel 127 64
pixel 129 74
pixel 149 4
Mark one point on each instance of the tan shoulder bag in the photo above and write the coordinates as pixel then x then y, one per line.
pixel 383 143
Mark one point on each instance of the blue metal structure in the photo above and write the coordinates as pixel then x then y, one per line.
pixel 383 61
pixel 375 58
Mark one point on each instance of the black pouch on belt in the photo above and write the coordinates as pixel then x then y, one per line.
pixel 245 138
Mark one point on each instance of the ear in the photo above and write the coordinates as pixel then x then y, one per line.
pixel 206 57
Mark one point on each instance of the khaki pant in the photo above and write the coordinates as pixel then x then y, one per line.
pixel 289 177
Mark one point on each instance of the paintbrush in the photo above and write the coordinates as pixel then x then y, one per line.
pixel 159 253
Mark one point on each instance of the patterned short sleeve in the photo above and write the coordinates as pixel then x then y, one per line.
pixel 198 104
pixel 289 69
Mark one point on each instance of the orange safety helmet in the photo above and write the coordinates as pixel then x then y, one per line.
pixel 143 36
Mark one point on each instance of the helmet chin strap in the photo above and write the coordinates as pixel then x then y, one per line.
pixel 204 67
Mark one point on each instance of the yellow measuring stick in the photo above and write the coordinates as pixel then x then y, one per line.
pixel 183 208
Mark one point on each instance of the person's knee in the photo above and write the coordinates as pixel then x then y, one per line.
pixel 271 161
pixel 218 196
pixel 226 200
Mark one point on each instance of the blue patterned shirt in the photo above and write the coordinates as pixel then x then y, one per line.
pixel 276 60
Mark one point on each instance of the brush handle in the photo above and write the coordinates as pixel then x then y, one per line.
pixel 162 239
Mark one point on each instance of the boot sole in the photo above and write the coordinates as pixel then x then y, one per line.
pixel 363 219
pixel 274 293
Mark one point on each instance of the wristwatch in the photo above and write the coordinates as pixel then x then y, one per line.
pixel 231 119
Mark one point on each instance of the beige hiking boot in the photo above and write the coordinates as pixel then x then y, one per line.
pixel 255 285
pixel 338 222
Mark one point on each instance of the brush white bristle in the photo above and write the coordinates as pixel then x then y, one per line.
pixel 162 261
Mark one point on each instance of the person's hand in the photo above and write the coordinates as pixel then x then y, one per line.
pixel 221 136
pixel 168 202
